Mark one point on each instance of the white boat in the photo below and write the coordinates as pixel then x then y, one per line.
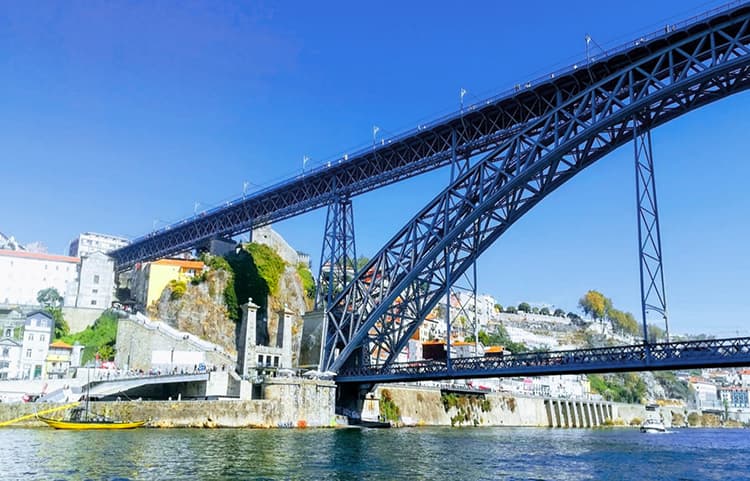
pixel 653 425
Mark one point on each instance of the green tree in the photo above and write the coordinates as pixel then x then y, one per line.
pixel 499 337
pixel 623 322
pixel 362 262
pixel 511 309
pixel 257 270
pixel 559 313
pixel 524 307
pixel 106 352
pixel 96 337
pixel 498 308
pixel 308 281
pixel 61 325
pixel 49 298
pixel 535 310
pixel 656 333
pixel 544 311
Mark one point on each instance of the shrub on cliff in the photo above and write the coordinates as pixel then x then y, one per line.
pixel 308 281
pixel 98 337
pixel 257 272
pixel 178 289
pixel 216 263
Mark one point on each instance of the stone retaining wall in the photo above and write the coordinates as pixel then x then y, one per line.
pixel 287 403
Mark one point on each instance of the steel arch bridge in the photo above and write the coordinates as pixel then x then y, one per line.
pixel 455 138
pixel 551 131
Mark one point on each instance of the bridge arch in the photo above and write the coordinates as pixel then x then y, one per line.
pixel 372 320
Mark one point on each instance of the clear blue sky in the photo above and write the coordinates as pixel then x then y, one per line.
pixel 117 115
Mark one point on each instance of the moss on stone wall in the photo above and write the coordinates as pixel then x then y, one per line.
pixel 257 270
pixel 308 281
pixel 389 410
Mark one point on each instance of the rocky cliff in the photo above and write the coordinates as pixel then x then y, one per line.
pixel 199 308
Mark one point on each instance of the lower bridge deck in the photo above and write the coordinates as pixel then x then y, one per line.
pixel 734 352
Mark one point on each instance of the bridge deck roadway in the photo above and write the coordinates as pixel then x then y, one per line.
pixel 456 137
pixel 653 357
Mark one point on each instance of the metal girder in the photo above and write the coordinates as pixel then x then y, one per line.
pixel 338 259
pixel 474 130
pixel 371 321
pixel 653 294
pixel 653 357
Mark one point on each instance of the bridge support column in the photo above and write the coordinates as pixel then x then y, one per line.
pixel 566 413
pixel 579 411
pixel 573 416
pixel 653 295
pixel 558 413
pixel 550 416
pixel 338 259
pixel 594 417
pixel 586 413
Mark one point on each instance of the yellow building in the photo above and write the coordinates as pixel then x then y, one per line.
pixel 58 359
pixel 151 278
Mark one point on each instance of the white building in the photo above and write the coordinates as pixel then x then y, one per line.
pixel 10 357
pixel 37 335
pixel 706 396
pixel 96 282
pixel 90 242
pixel 24 274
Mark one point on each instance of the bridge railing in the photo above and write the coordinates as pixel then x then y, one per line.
pixel 326 163
pixel 634 355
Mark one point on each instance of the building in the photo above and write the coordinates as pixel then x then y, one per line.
pixel 27 273
pixel 149 279
pixel 96 281
pixel 10 357
pixel 58 360
pixel 90 242
pixel 705 393
pixel 37 334
pixel 735 396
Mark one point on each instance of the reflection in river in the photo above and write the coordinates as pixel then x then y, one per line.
pixel 344 454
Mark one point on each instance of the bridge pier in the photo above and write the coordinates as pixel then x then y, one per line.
pixel 338 258
pixel 548 409
pixel 574 419
pixel 581 419
pixel 653 295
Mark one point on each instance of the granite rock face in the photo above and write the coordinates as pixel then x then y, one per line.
pixel 201 310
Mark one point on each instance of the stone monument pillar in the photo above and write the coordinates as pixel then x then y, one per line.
pixel 247 339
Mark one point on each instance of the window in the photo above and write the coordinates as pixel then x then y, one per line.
pixel 28 353
pixel 8 331
pixel 6 352
pixel 260 360
pixel 95 291
pixel 96 279
pixel 31 337
pixel 276 361
pixel 41 337
pixel 93 302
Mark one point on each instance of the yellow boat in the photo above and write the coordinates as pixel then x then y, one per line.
pixel 91 424
pixel 81 419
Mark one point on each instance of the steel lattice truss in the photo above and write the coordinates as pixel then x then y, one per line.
pixel 372 320
pixel 644 357
pixel 338 259
pixel 475 130
pixel 653 295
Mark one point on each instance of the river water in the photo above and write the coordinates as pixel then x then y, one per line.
pixel 387 454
